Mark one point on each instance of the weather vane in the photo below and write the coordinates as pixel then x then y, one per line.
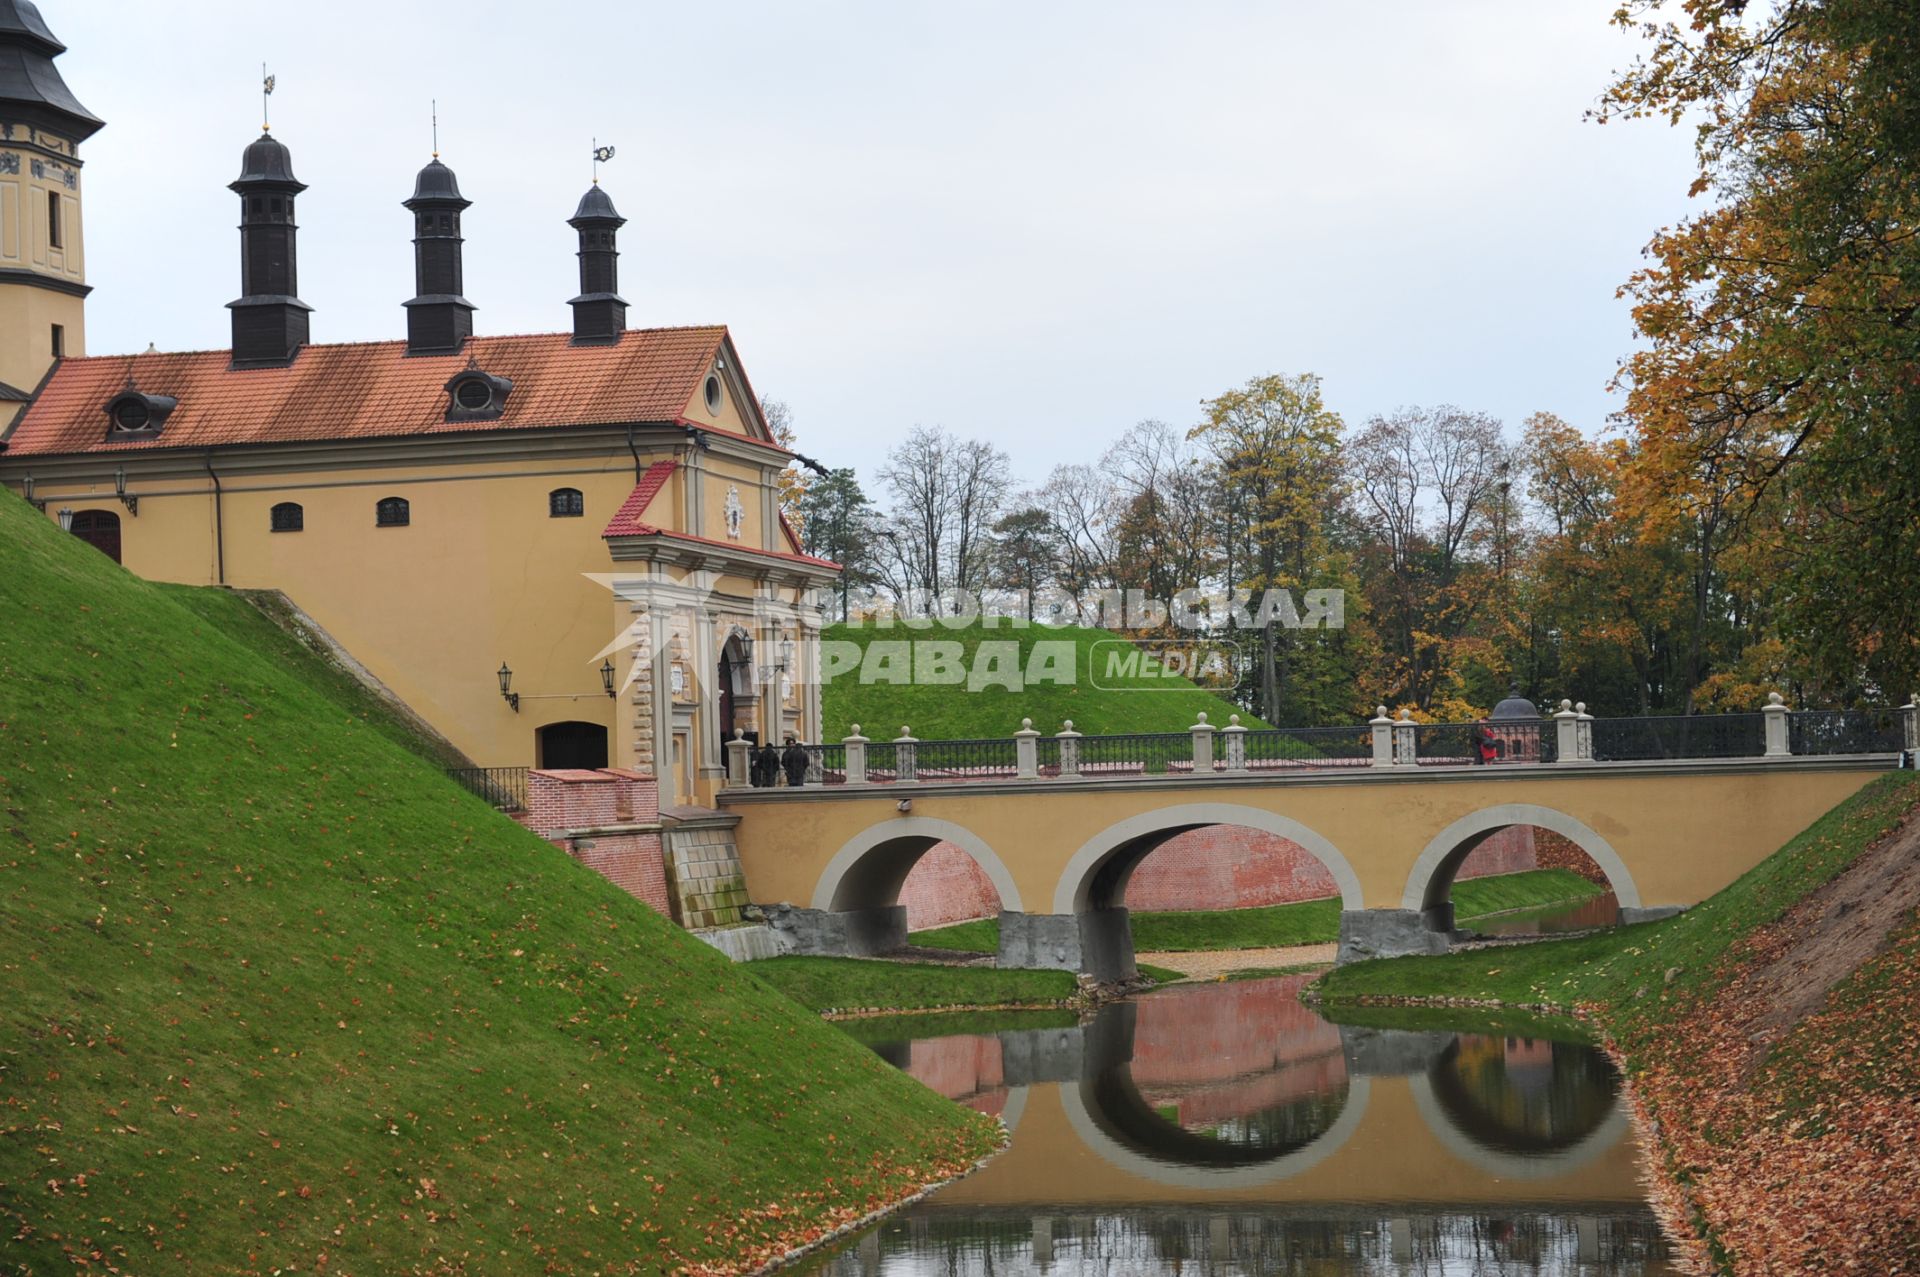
pixel 601 154
pixel 266 91
pixel 434 107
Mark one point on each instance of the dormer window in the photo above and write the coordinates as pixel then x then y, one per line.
pixel 473 395
pixel 134 415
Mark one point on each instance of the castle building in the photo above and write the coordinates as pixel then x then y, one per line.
pixel 559 550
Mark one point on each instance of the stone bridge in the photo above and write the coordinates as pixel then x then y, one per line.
pixel 1059 848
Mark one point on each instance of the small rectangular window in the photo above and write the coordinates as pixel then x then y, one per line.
pixel 288 517
pixel 59 341
pixel 393 512
pixel 54 236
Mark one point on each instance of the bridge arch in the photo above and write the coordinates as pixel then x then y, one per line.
pixel 1096 875
pixel 1503 1163
pixel 1086 1106
pixel 866 873
pixel 1431 879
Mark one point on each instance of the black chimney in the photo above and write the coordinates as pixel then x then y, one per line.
pixel 599 312
pixel 269 320
pixel 439 319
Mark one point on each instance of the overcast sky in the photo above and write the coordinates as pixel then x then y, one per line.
pixel 1032 223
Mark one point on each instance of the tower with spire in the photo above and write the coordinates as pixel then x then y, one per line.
pixel 43 283
pixel 599 312
pixel 269 319
pixel 439 317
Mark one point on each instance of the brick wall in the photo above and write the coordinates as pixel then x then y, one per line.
pixel 561 801
pixel 947 886
pixel 1557 852
pixel 631 862
pixel 1220 867
pixel 569 798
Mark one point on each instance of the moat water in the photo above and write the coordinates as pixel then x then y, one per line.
pixel 1226 1128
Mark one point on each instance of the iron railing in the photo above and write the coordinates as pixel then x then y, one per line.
pixel 504 787
pixel 988 759
pixel 1276 749
pixel 826 764
pixel 1619 740
pixel 882 762
pixel 1506 742
pixel 1846 731
pixel 1268 750
pixel 1137 754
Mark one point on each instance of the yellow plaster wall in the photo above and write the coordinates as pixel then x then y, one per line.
pixel 481 574
pixel 27 316
pixel 1683 835
pixel 730 417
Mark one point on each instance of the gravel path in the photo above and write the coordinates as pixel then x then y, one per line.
pixel 1205 966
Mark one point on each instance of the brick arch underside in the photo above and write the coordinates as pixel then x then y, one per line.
pixel 1214 867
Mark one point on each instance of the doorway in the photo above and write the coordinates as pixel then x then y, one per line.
pixel 735 666
pixel 99 529
pixel 570 745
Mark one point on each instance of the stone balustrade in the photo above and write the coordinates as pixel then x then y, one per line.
pixel 1567 737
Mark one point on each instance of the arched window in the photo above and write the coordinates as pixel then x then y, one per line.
pixel 565 503
pixel 289 517
pixel 99 529
pixel 393 512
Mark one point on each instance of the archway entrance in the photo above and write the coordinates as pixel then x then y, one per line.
pixel 99 529
pixel 570 745
pixel 734 681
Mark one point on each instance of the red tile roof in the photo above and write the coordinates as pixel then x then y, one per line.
pixel 370 390
pixel 626 520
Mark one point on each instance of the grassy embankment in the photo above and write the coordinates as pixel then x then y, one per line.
pixel 279 996
pixel 1096 700
pixel 1770 1032
pixel 1283 926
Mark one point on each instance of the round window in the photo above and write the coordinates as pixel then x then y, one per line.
pixel 132 414
pixel 713 394
pixel 473 393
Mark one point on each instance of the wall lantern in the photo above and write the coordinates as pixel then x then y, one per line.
pixel 606 676
pixel 120 490
pixel 507 693
pixel 66 519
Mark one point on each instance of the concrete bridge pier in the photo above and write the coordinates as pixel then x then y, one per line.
pixel 1098 942
pixel 1394 933
pixel 839 933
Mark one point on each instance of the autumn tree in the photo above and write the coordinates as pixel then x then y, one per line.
pixel 1277 448
pixel 1782 361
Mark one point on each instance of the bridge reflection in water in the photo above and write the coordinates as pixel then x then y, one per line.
pixel 1226 1128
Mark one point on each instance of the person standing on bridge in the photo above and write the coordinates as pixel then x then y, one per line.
pixel 766 766
pixel 794 761
pixel 1485 748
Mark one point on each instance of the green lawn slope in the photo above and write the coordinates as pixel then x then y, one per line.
pixel 278 996
pixel 1096 701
